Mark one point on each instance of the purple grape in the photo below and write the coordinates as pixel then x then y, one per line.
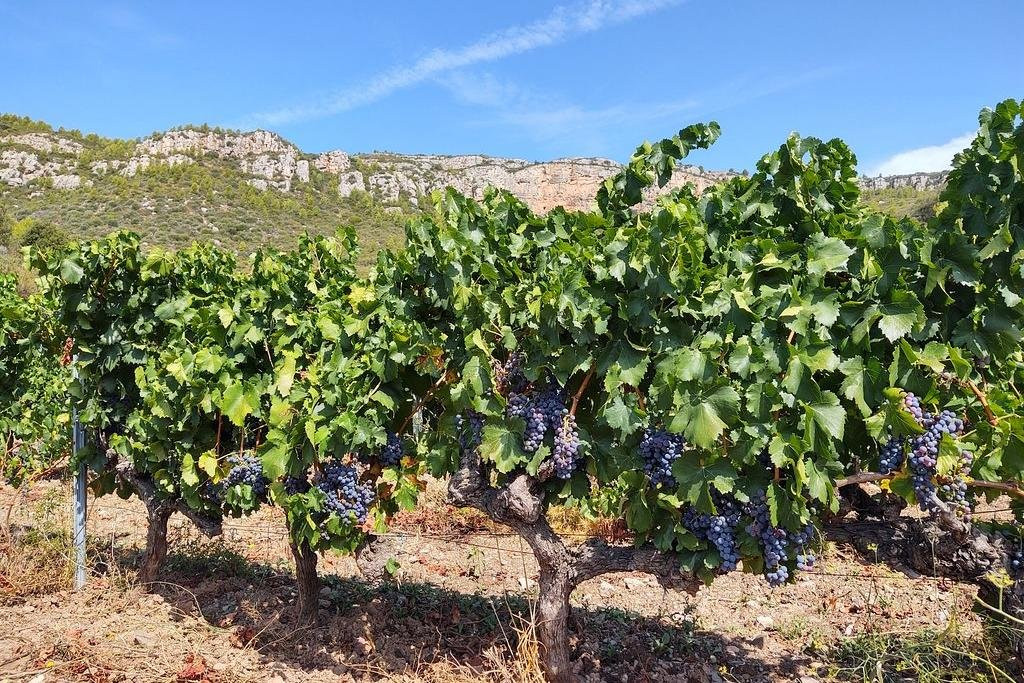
pixel 658 449
pixel 719 529
pixel 344 496
pixel 892 454
pixel 247 471
pixel 391 453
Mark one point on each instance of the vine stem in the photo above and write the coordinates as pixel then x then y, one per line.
pixel 579 392
pixel 868 477
pixel 216 446
pixel 445 379
pixel 102 293
pixel 992 420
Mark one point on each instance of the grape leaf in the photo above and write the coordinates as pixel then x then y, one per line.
pixel 502 447
pixel 826 254
pixel 901 315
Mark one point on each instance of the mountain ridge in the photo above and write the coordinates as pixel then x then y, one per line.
pixel 270 160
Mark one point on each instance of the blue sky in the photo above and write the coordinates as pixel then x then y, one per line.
pixel 901 82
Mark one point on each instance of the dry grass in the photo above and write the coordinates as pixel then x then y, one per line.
pixel 515 660
pixel 34 560
pixel 109 633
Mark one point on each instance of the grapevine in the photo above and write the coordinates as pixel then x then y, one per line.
pixel 734 358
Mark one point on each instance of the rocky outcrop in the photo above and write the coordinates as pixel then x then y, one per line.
pixel 268 162
pixel 43 142
pixel 21 168
pixel 917 181
pixel 571 183
pixel 219 143
pixel 336 162
pixel 66 182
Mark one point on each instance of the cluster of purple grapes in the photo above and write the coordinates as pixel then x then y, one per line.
pixel 213 492
pixel 508 375
pixel 1017 564
pixel 954 488
pixel 247 470
pixel 658 449
pixel 719 529
pixel 294 485
pixel 391 453
pixel 343 494
pixel 776 541
pixel 542 411
pixel 470 427
pixel 924 453
pixel 805 558
pixel 567 446
pixel 892 453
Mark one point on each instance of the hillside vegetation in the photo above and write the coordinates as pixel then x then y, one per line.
pixel 900 202
pixel 171 204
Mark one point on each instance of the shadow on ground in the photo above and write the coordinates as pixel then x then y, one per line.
pixel 398 629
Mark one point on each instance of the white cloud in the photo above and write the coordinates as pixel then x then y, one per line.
pixel 931 158
pixel 546 116
pixel 563 23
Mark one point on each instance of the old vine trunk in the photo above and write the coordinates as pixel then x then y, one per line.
pixel 519 504
pixel 308 583
pixel 159 510
pixel 156 542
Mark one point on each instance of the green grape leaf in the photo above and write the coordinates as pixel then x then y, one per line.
pixel 949 456
pixel 238 403
pixel 502 447
pixel 901 315
pixel 826 254
pixel 827 415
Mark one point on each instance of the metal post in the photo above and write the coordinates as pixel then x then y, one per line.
pixel 77 443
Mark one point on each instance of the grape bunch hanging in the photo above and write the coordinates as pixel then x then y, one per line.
pixel 776 542
pixel 470 427
pixel 343 495
pixel 934 491
pixel 543 409
pixel 718 529
pixel 248 471
pixel 391 454
pixel 658 449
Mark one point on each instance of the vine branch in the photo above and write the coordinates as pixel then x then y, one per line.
pixel 992 419
pixel 445 379
pixel 1008 488
pixel 579 392
pixel 210 526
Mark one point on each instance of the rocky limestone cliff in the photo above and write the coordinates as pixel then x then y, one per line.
pixel 917 181
pixel 53 161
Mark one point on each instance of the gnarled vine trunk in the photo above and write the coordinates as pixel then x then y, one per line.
pixel 307 583
pixel 156 542
pixel 519 504
pixel 158 511
pixel 940 546
pixel 553 611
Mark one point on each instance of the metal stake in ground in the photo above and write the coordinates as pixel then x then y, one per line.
pixel 77 444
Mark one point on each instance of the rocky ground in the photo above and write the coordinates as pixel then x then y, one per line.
pixel 457 610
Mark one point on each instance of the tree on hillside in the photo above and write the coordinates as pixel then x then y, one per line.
pixel 29 232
